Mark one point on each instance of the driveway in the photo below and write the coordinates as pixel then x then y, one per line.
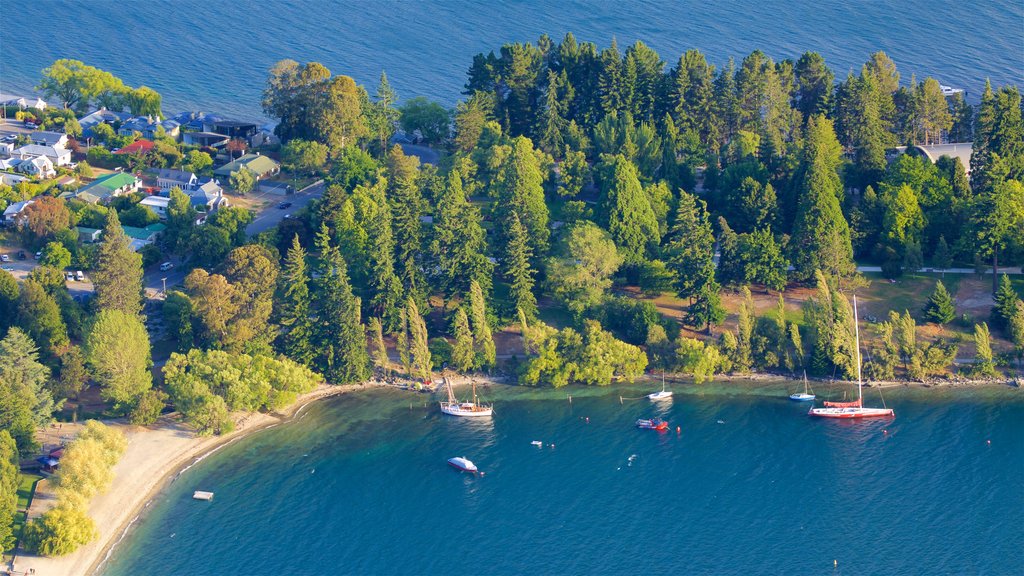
pixel 272 215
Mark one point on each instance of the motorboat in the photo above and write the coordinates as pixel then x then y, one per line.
pixel 462 463
pixel 652 424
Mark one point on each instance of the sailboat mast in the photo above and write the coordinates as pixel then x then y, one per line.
pixel 856 334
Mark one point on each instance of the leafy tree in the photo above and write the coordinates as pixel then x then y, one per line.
pixel 143 101
pixel 830 319
pixel 697 358
pixel 118 274
pixel 984 365
pixel 46 216
pixel 148 408
pixel 197 161
pixel 690 246
pixel 118 352
pixel 706 308
pixel 939 308
pixel 418 344
pixel 463 356
pixel 483 342
pixel 313 105
pixel 59 531
pixel 252 271
pixel 999 221
pixel 429 118
pixel 73 374
pixel 8 488
pixel 304 156
pixel 177 312
pixel 574 173
pixel 763 261
pixel 821 236
pixel 295 339
pixel 517 269
pixel 242 181
pixel 581 273
pixel 1016 329
pixel 8 299
pixel 1005 305
pixel 75 84
pixel 378 350
pixel 25 403
pixel 40 317
pixel 214 303
pixel 181 218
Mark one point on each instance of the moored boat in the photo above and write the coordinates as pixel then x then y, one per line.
pixel 462 463
pixel 804 396
pixel 664 394
pixel 652 424
pixel 455 408
pixel 854 409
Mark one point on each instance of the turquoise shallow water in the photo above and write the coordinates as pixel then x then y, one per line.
pixel 214 56
pixel 359 485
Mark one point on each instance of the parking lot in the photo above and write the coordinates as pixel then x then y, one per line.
pixel 20 269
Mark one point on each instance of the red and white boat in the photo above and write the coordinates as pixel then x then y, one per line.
pixel 854 409
pixel 652 424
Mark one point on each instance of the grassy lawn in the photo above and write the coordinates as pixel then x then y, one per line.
pixel 910 292
pixel 26 490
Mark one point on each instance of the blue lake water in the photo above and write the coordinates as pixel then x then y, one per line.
pixel 213 56
pixel 751 485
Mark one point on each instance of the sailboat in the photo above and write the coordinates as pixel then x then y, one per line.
pixel 804 396
pixel 856 408
pixel 664 394
pixel 455 408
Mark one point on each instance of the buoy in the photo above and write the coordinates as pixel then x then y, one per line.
pixel 588 419
pixel 885 431
pixel 835 563
pixel 989 442
pixel 679 429
pixel 552 445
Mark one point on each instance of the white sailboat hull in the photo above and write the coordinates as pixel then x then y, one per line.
pixel 851 412
pixel 663 395
pixel 465 409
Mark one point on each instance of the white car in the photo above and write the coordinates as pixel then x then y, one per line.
pixel 166 266
pixel 79 276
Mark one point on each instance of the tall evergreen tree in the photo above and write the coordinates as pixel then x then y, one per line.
pixel 690 247
pixel 378 350
pixel 631 219
pixel 295 340
pixel 118 274
pixel 463 356
pixel 821 236
pixel 814 85
pixel 518 271
pixel 1005 305
pixel 551 124
pixel 707 306
pixel 340 338
pixel 418 342
pixel 9 480
pixel 39 315
pixel 407 207
pixel 25 403
pixel 459 244
pixel 384 285
pixel 939 308
pixel 483 342
pixel 518 189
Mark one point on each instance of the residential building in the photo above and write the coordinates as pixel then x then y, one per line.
pixel 44 138
pixel 101 116
pixel 15 215
pixel 167 178
pixel 38 167
pixel 6 149
pixel 205 139
pixel 260 166
pixel 157 204
pixel 88 235
pixel 149 127
pixel 208 196
pixel 140 146
pixel 233 129
pixel 140 237
pixel 933 152
pixel 106 187
pixel 58 155
pixel 11 179
pixel 23 101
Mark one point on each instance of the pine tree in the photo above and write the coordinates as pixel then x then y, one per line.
pixel 379 353
pixel 402 341
pixel 483 342
pixel 984 365
pixel 462 352
pixel 407 206
pixel 707 307
pixel 631 219
pixel 385 287
pixel 518 271
pixel 295 340
pixel 341 339
pixel 418 345
pixel 611 79
pixel 690 247
pixel 942 259
pixel 821 236
pixel 552 123
pixel 518 188
pixel 939 308
pixel 1005 303
pixel 460 242
pixel 118 274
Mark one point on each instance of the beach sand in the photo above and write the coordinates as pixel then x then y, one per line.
pixel 154 457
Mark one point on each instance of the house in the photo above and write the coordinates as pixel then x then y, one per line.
pixel 232 129
pixel 87 235
pixel 44 138
pixel 933 152
pixel 208 196
pixel 15 215
pixel 107 187
pixel 142 236
pixel 157 204
pixel 259 165
pixel 196 121
pixel 11 179
pixel 39 167
pixel 22 101
pixel 205 139
pixel 101 116
pixel 265 137
pixel 167 178
pixel 6 149
pixel 141 147
pixel 67 181
pixel 149 127
pixel 58 155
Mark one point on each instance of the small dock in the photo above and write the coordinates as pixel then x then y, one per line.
pixel 202 495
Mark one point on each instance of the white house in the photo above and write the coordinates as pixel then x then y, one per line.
pixel 40 167
pixel 44 138
pixel 11 179
pixel 58 155
pixel 157 204
pixel 167 178
pixel 6 149
pixel 15 213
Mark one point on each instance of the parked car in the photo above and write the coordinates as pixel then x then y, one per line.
pixel 22 255
pixel 5 258
pixel 8 268
pixel 166 266
pixel 37 256
pixel 79 276
pixel 284 205
pixel 70 276
pixel 10 138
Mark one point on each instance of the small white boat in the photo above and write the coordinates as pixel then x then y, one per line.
pixel 804 396
pixel 664 394
pixel 537 443
pixel 455 408
pixel 462 463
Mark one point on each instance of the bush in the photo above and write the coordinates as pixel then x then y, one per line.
pixel 59 531
pixel 440 352
pixel 150 405
pixel 631 320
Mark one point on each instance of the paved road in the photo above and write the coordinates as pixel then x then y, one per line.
pixel 988 270
pixel 272 215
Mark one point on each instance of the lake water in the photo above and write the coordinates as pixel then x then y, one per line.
pixel 214 56
pixel 751 485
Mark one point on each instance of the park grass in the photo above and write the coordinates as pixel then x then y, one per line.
pixel 909 293
pixel 26 491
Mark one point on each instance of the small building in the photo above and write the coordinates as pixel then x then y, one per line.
pixel 205 139
pixel 933 152
pixel 102 116
pixel 208 196
pixel 22 101
pixel 109 186
pixel 58 155
pixel 6 149
pixel 140 237
pixel 44 138
pixel 67 181
pixel 149 127
pixel 233 129
pixel 140 146
pixel 11 179
pixel 260 166
pixel 88 235
pixel 157 204
pixel 39 167
pixel 14 215
pixel 168 178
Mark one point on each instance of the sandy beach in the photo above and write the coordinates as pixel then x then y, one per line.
pixel 155 457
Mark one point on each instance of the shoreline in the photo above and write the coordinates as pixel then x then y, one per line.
pixel 142 474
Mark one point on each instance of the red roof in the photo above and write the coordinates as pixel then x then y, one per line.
pixel 138 147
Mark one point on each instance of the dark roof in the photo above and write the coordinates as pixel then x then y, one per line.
pixel 172 174
pixel 234 124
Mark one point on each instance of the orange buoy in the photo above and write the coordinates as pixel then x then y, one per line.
pixel 679 429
